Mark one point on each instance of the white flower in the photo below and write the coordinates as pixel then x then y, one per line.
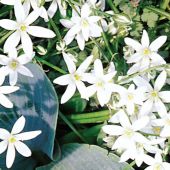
pixel 12 141
pixel 13 65
pixel 74 79
pixel 165 123
pixel 131 96
pixel 146 54
pixel 81 27
pixel 155 98
pixel 97 4
pixel 157 163
pixel 102 84
pixel 22 29
pixel 127 132
pixel 4 101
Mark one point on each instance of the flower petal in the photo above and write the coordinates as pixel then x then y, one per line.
pixel 156 44
pixel 160 81
pixel 113 130
pixel 146 107
pixel 133 43
pixel 4 134
pixel 81 41
pixel 66 23
pixel 22 149
pixel 3 146
pixel 135 68
pixel 63 80
pixel 32 17
pixel 25 71
pixel 145 39
pixel 28 135
pixel 13 77
pixel 98 68
pixel 41 32
pixel 8 24
pixel 165 96
pixel 140 123
pixel 85 10
pixel 82 89
pixel 4 101
pixel 52 9
pixel 165 132
pixel 19 125
pixel 134 58
pixel 8 89
pixel 10 157
pixel 19 12
pixel 71 88
pixel 160 108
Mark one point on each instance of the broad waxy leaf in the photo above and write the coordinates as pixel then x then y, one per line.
pixel 37 101
pixel 86 157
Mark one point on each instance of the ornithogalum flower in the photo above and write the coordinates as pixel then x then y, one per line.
pixel 13 65
pixel 22 27
pixel 81 26
pixel 4 101
pixel 14 140
pixel 146 54
pixel 74 79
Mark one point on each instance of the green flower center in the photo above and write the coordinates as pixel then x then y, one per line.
pixel 14 64
pixel 85 23
pixel 100 84
pixel 41 3
pixel 12 139
pixel 23 28
pixel 77 77
pixel 154 94
pixel 130 96
pixel 129 132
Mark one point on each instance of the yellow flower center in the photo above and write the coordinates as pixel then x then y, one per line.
pixel 146 51
pixel 157 130
pixel 12 139
pixel 23 28
pixel 100 84
pixel 157 167
pixel 14 64
pixel 154 93
pixel 77 77
pixel 129 132
pixel 85 23
pixel 130 96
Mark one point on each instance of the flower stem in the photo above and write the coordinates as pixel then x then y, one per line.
pixel 5 36
pixel 51 65
pixel 110 3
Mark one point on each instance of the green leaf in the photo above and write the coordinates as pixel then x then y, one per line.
pixel 86 157
pixel 37 101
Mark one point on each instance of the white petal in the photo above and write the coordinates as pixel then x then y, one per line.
pixel 52 9
pixel 156 59
pixel 98 68
pixel 140 123
pixel 85 64
pixel 18 126
pixel 32 17
pixel 165 96
pixel 3 146
pixel 146 107
pixel 156 44
pixel 160 107
pixel 70 64
pixel 113 130
pixel 71 88
pixel 22 149
pixel 63 80
pixel 24 59
pixel 11 2
pixel 66 23
pixel 133 43
pixel 124 120
pixel 19 12
pixel 80 41
pixel 95 30
pixel 41 32
pixel 102 97
pixel 91 90
pixel 165 132
pixel 26 6
pixel 73 31
pixel 90 78
pixel 10 157
pixel 28 135
pixel 25 71
pixel 134 58
pixel 13 77
pixel 8 89
pixel 82 89
pixel 160 81
pixel 149 160
pixel 145 39
pixel 85 10
pixel 27 43
pixel 4 134
pixel 61 8
pixel 8 24
pixel 12 41
pixel 135 68
pixel 43 13
pixel 4 101
pixel 125 156
pixel 85 33
pixel 68 39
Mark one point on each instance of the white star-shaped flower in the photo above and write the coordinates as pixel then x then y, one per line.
pixel 22 29
pixel 155 98
pixel 13 65
pixel 81 26
pixel 146 54
pixel 102 84
pixel 4 101
pixel 74 79
pixel 13 140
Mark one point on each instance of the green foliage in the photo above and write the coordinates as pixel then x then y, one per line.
pixel 86 157
pixel 37 101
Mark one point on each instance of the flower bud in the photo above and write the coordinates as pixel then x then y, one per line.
pixel 41 50
pixel 122 19
pixel 61 46
pixel 112 28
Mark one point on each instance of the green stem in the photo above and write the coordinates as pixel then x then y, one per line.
pixel 164 4
pixel 5 36
pixel 89 115
pixel 159 11
pixel 51 65
pixel 55 29
pixel 110 3
pixel 63 117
